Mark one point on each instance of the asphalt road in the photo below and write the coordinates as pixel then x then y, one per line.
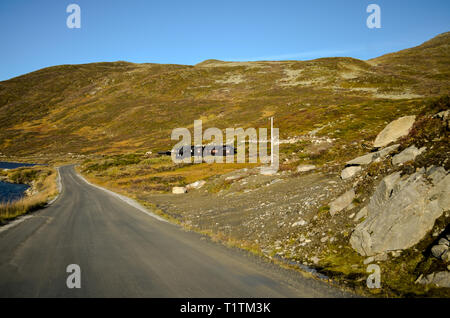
pixel 123 252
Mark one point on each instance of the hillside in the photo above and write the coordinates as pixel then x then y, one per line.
pixel 123 107
pixel 364 155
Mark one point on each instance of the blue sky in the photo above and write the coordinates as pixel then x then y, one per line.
pixel 34 33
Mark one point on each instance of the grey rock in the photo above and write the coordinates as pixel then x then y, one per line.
pixel 361 214
pixel 438 250
pixel 443 241
pixel 394 130
pixel 408 154
pixel 400 213
pixel 446 256
pixel 440 279
pixel 444 115
pixel 370 157
pixel 299 223
pixel 179 190
pixel 381 257
pixel 342 202
pixel 350 172
pixel 386 151
pixel 305 168
pixel 268 171
pixel 396 253
pixel 437 174
pixel 363 160
pixel 196 185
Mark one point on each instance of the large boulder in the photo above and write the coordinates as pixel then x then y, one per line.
pixel 408 154
pixel 342 202
pixel 402 210
pixel 394 130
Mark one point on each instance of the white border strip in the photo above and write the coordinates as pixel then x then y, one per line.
pixel 59 185
pixel 17 221
pixel 127 200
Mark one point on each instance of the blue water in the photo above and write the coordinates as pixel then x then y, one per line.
pixel 13 165
pixel 12 191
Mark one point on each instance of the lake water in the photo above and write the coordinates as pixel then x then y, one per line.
pixel 13 165
pixel 12 191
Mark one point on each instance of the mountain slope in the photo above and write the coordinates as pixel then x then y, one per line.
pixel 121 107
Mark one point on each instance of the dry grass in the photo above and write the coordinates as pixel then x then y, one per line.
pixel 119 108
pixel 46 185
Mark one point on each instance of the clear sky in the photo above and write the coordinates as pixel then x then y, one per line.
pixel 34 34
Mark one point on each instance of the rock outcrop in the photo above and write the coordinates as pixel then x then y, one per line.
pixel 402 210
pixel 342 202
pixel 394 130
pixel 440 279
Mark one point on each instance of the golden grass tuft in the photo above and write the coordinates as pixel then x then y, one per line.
pixel 47 190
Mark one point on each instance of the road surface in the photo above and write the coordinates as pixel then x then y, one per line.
pixel 123 252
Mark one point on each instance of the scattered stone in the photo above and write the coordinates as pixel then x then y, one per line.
pixel 196 185
pixel 179 190
pixel 305 168
pixel 408 154
pixel 342 202
pixel 400 212
pixel 444 115
pixel 443 241
pixel 373 156
pixel 363 160
pixel 446 256
pixel 299 223
pixel 382 257
pixel 350 206
pixel 268 171
pixel 386 151
pixel 440 279
pixel 369 260
pixel 361 214
pixel 350 172
pixel 438 250
pixel 394 130
pixel 351 216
